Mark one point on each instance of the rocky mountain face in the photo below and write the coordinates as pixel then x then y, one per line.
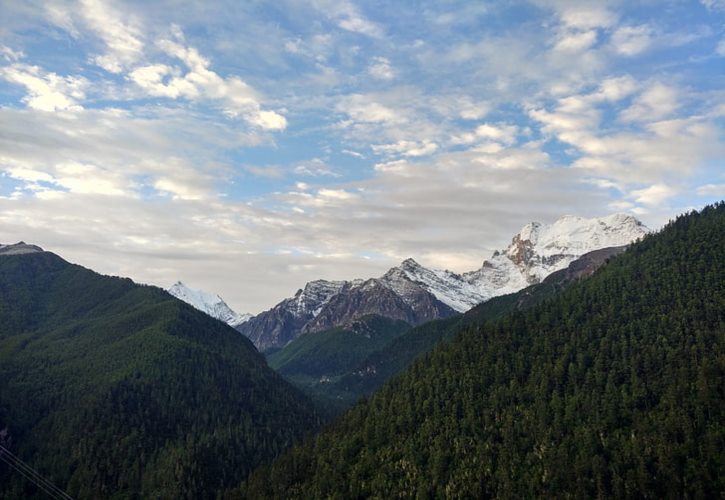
pixel 416 294
pixel 209 303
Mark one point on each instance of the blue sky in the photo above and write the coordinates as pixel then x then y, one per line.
pixel 247 147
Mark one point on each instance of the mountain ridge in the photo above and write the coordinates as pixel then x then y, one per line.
pixel 417 294
pixel 108 387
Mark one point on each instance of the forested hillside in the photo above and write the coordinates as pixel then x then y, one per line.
pixel 366 376
pixel 613 388
pixel 315 361
pixel 111 389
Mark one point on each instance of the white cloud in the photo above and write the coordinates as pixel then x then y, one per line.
pixel 179 190
pixel 123 39
pixel 653 195
pixel 11 55
pixel 614 89
pixel 656 102
pixel 632 40
pixel 46 91
pixel 347 16
pixel 505 134
pixel 469 110
pixel 381 69
pixel 576 41
pixel 71 176
pixel 360 108
pixel 581 14
pixel 235 96
pixel 406 148
pixel 315 167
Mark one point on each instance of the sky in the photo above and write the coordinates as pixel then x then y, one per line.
pixel 247 147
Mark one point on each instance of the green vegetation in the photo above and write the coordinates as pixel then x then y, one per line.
pixel 315 361
pixel 111 389
pixel 365 376
pixel 613 388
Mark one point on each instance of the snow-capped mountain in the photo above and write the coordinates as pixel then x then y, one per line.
pixel 534 253
pixel 209 303
pixel 19 248
pixel 414 293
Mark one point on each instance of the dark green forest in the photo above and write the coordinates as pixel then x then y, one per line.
pixel 315 361
pixel 612 388
pixel 115 390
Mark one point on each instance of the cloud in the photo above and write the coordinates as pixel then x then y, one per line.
pixel 236 97
pixel 347 16
pixel 269 171
pixel 111 152
pixel 720 49
pixel 632 40
pixel 583 14
pixel 315 167
pixel 361 109
pixel 712 190
pixel 46 91
pixel 654 148
pixel 656 102
pixel 714 4
pixel 123 39
pixel 11 55
pixel 576 41
pixel 405 148
pixel 653 195
pixel 381 69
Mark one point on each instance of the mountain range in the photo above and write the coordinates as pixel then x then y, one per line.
pixel 413 293
pixel 601 378
pixel 611 388
pixel 339 366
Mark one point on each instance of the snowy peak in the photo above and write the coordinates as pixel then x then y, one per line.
pixel 539 249
pixel 571 234
pixel 19 248
pixel 209 303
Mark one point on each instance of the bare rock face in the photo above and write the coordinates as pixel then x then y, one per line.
pixel 374 297
pixel 416 294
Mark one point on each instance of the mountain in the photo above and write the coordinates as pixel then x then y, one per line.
pixel 322 305
pixel 534 253
pixel 335 385
pixel 19 249
pixel 410 292
pixel 315 361
pixel 611 389
pixel 209 303
pixel 112 389
pixel 370 374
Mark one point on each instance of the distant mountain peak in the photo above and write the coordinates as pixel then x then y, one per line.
pixel 19 248
pixel 210 303
pixel 415 293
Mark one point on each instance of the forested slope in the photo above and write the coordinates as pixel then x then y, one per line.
pixel 111 389
pixel 613 388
